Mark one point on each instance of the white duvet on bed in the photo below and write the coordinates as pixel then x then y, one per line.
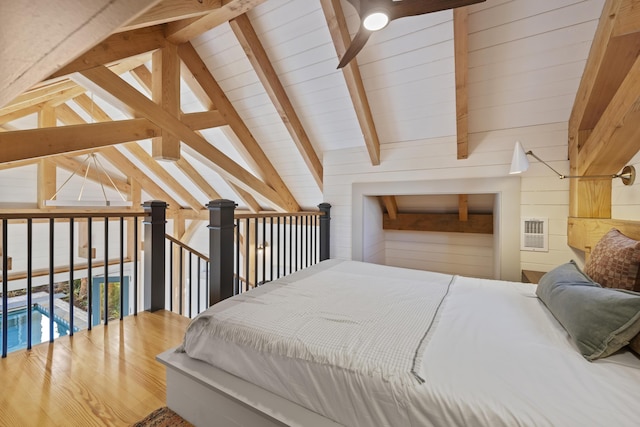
pixel 493 357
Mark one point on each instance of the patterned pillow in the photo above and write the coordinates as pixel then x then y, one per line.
pixel 615 262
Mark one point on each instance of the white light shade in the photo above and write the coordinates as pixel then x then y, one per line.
pixel 519 162
pixel 375 21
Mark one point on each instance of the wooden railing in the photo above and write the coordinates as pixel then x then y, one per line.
pixel 246 250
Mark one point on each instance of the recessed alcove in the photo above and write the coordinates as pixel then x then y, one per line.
pixel 367 216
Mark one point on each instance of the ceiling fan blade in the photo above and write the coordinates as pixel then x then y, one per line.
pixel 400 9
pixel 356 45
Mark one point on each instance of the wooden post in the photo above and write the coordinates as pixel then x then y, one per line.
pixel 221 227
pixel 154 254
pixel 325 234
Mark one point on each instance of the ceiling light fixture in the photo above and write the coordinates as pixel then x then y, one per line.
pixel 89 203
pixel 520 163
pixel 376 20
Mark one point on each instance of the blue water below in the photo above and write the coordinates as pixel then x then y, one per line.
pixel 18 328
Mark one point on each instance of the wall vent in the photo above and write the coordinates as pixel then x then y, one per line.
pixel 534 234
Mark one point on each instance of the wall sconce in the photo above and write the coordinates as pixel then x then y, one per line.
pixel 520 163
pixel 261 247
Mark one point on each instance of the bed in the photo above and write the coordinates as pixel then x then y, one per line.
pixel 357 344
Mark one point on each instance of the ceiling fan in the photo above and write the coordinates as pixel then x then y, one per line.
pixel 376 14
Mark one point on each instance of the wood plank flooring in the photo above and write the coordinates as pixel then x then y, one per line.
pixel 105 377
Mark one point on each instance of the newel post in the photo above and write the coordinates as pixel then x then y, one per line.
pixel 154 254
pixel 221 226
pixel 325 234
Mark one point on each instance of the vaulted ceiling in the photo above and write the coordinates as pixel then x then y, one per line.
pixel 195 100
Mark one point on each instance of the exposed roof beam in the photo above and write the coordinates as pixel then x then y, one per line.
pixel 113 88
pixel 610 59
pixel 67 139
pixel 165 91
pixel 247 198
pixel 172 10
pixel 461 47
pixel 60 37
pixel 463 207
pixel 248 147
pixel 32 109
pixel 257 55
pixel 391 206
pixel 32 143
pixel 59 92
pixel 46 175
pixel 144 157
pixel 183 31
pixel 197 179
pixel 143 76
pixel 341 39
pixel 119 160
pixel 37 96
pixel 608 148
pixel 603 117
pixel 116 48
pixel 17 164
pixel 476 223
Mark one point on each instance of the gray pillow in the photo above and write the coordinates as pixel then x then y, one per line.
pixel 599 320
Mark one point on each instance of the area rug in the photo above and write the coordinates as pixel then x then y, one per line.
pixel 163 417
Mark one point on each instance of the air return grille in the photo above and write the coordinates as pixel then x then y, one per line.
pixel 534 234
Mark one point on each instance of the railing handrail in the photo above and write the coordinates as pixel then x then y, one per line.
pixel 187 247
pixel 276 214
pixel 70 214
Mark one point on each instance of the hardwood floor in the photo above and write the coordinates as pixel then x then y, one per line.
pixel 105 377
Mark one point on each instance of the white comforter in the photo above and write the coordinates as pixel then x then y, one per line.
pixel 494 356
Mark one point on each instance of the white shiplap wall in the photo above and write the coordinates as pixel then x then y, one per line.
pixel 542 195
pixel 525 64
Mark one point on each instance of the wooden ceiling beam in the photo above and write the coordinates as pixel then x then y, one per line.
pixel 60 38
pixel 140 153
pixel 46 176
pixel 628 18
pixel 115 48
pixel 608 148
pixel 463 207
pixel 120 161
pixel 73 138
pixel 341 39
pixel 143 76
pixel 247 198
pixel 17 164
pixel 32 109
pixel 601 118
pixel 172 10
pixel 248 146
pixel 127 167
pixel 391 205
pixel 58 92
pixel 118 92
pixel 165 91
pixel 37 96
pixel 609 61
pixel 197 179
pixel 258 57
pixel 33 143
pixel 182 31
pixel 449 223
pixel 461 48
